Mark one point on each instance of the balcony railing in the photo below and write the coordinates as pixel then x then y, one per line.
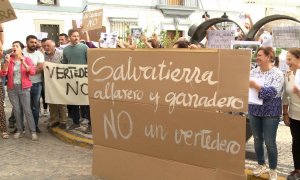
pixel 179 3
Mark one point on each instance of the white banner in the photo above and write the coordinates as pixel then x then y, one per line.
pixel 66 84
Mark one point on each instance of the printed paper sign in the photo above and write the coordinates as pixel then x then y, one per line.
pixel 220 39
pixel 41 35
pixel 109 40
pixel 253 93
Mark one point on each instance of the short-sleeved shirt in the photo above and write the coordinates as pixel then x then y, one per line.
pixel 37 57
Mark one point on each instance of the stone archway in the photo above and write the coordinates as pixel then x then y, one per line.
pixel 197 34
pixel 252 32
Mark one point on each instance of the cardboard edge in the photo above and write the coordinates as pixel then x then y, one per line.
pixel 133 166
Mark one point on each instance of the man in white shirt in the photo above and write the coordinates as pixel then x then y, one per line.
pixel 38 59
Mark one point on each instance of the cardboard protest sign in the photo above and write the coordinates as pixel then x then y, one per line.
pixel 286 37
pixel 220 39
pixel 66 84
pixel 7 13
pixel 160 106
pixel 94 34
pixel 92 20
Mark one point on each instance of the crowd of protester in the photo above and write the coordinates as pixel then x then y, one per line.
pixel 23 69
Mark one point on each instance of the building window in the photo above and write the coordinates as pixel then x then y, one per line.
pixel 48 2
pixel 122 26
pixel 52 30
pixel 175 2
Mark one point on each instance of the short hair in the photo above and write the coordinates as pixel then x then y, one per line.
pixel 44 40
pixel 71 31
pixel 182 44
pixel 52 41
pixel 295 52
pixel 268 51
pixel 31 37
pixel 64 34
pixel 20 43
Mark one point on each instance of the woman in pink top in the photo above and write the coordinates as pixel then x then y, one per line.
pixel 18 68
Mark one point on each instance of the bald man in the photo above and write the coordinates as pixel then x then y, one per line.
pixel 58 112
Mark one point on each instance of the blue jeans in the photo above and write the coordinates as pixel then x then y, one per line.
pixel 265 129
pixel 35 93
pixel 20 100
pixel 76 114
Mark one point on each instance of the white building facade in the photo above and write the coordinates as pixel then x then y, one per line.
pixel 55 16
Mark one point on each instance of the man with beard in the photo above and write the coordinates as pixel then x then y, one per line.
pixel 76 53
pixel 37 58
pixel 63 41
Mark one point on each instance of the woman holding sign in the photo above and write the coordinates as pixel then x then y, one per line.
pixel 291 106
pixel 18 68
pixel 264 117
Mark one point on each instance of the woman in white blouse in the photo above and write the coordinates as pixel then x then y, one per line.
pixel 291 107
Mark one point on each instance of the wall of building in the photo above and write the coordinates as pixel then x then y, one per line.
pixel 30 15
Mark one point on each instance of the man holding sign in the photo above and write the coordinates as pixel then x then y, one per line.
pixel 76 53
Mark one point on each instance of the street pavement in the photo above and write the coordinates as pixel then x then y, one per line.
pixel 51 158
pixel 284 146
pixel 46 159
